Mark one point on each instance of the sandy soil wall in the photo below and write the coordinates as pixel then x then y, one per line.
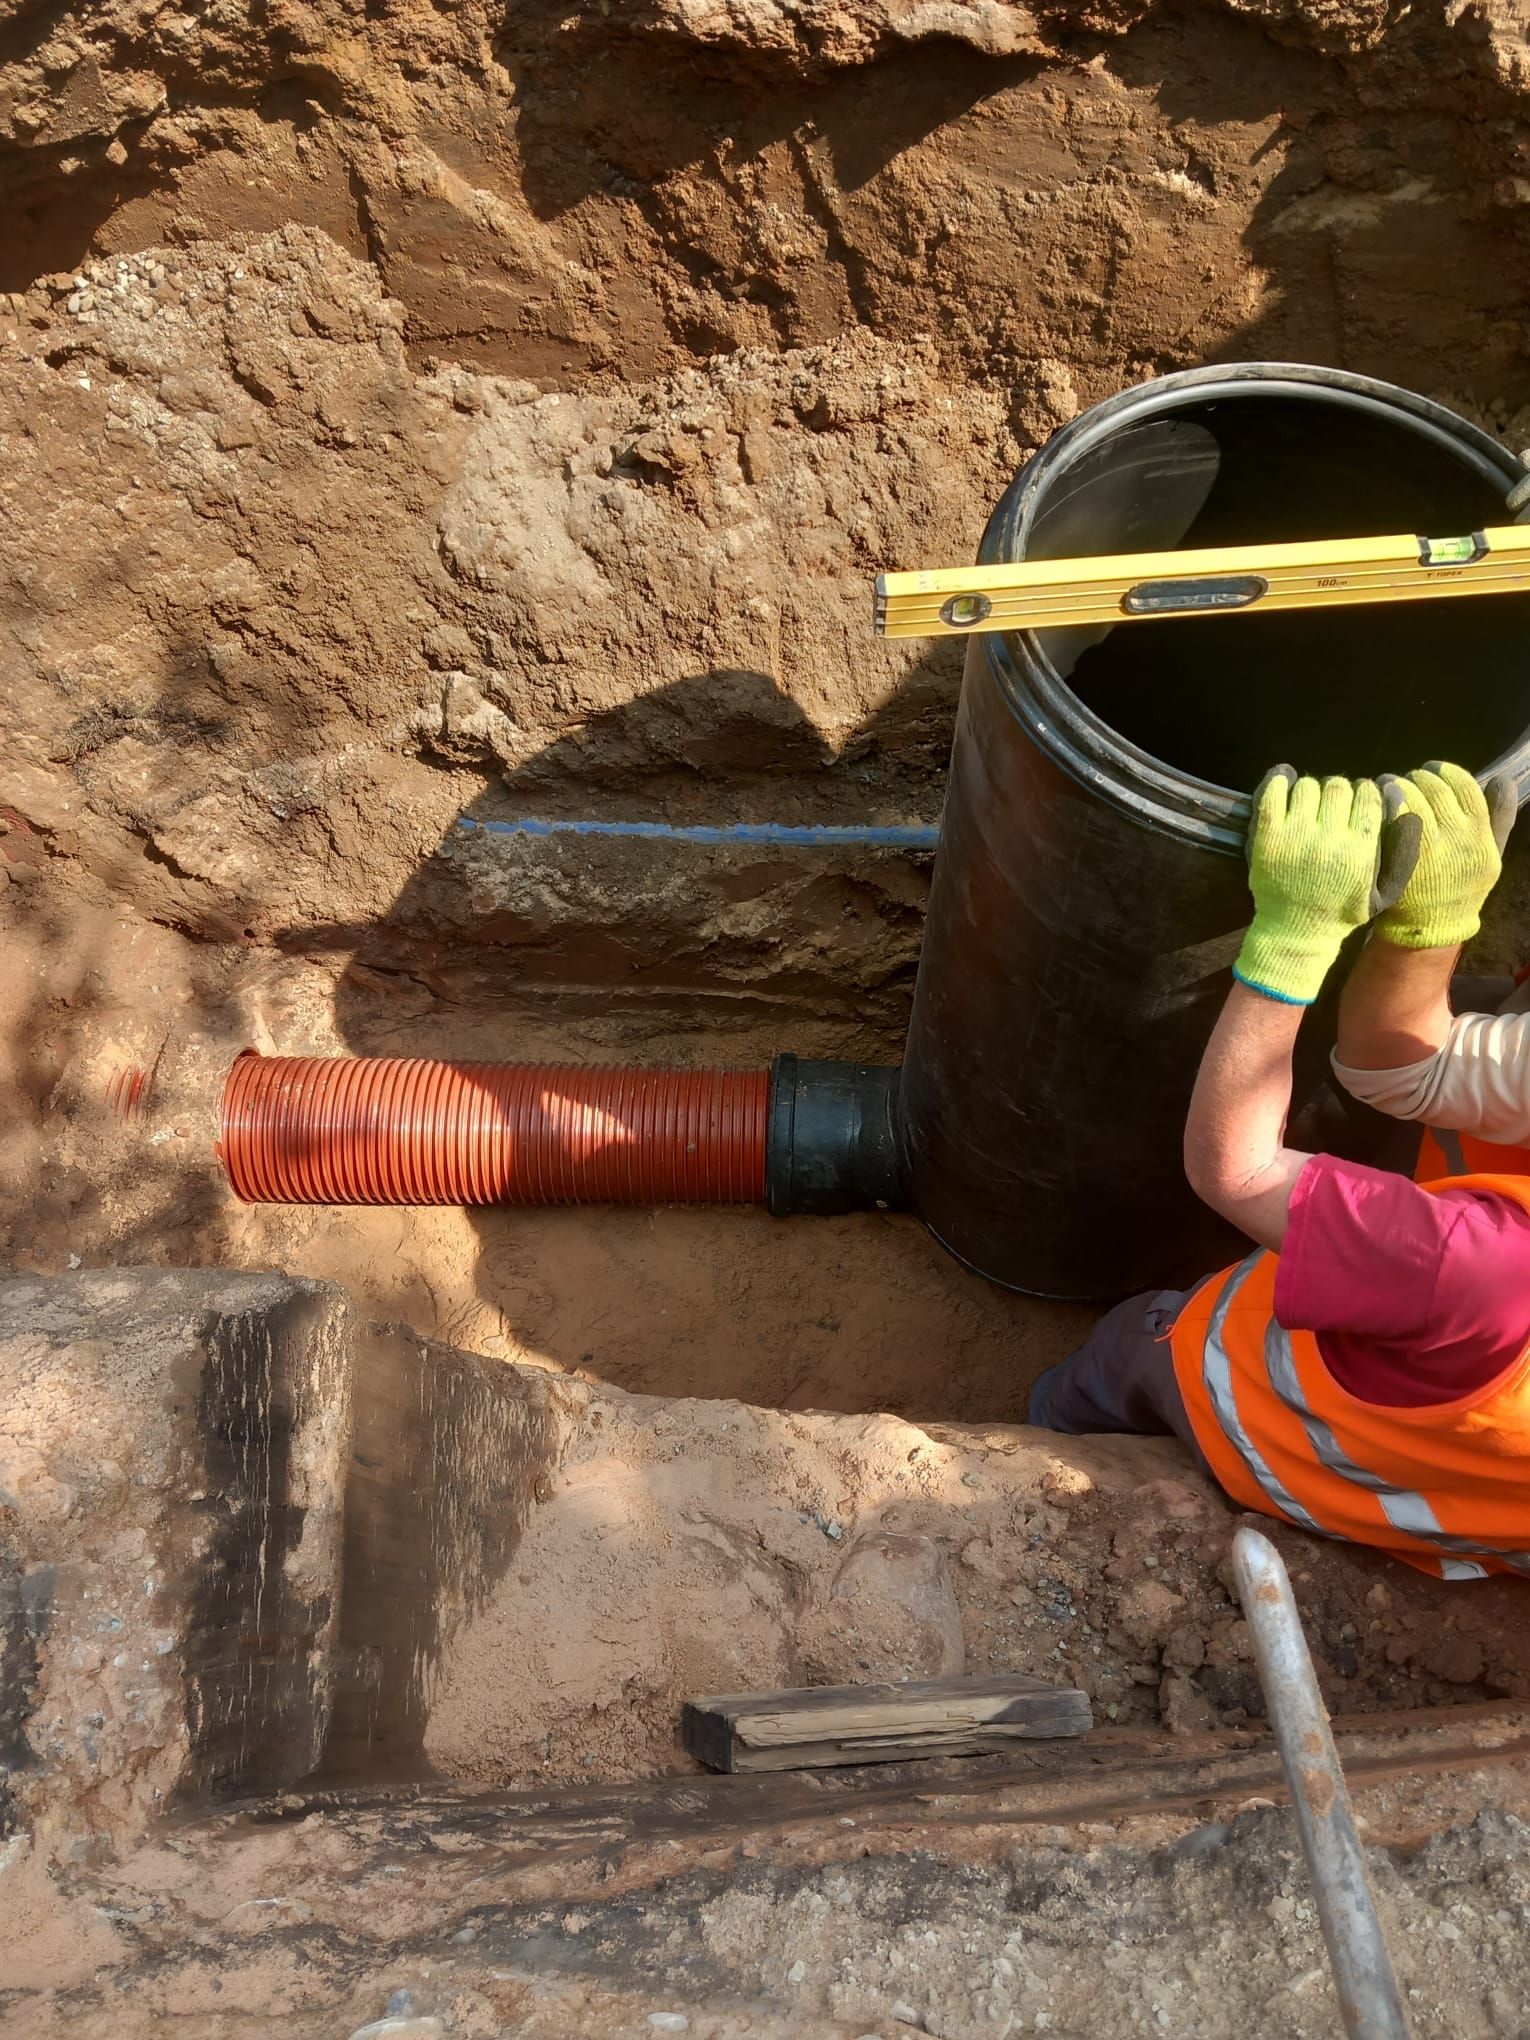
pixel 416 410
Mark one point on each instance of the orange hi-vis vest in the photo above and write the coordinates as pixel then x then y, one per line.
pixel 1445 1486
pixel 1442 1153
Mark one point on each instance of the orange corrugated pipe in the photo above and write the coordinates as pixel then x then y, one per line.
pixel 392 1130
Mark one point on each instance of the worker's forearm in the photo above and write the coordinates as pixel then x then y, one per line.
pixel 1395 1008
pixel 1235 1152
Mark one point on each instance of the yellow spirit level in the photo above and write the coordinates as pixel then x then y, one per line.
pixel 1218 581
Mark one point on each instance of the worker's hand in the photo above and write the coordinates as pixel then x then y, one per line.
pixel 1464 828
pixel 1321 864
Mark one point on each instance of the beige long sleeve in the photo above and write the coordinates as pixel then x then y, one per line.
pixel 1479 1082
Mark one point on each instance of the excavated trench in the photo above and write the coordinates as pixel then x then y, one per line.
pixel 429 416
pixel 298 586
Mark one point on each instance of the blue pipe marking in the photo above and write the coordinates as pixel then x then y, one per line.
pixel 891 836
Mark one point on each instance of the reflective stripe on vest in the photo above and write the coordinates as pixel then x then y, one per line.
pixel 1442 1153
pixel 1449 1144
pixel 1404 1508
pixel 1216 1372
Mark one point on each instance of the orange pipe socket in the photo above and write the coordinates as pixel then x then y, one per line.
pixel 352 1130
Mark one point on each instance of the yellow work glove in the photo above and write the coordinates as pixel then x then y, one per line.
pixel 1323 858
pixel 1464 830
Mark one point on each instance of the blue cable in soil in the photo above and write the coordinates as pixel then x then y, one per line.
pixel 808 836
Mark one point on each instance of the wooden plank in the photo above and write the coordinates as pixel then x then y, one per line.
pixel 810 1726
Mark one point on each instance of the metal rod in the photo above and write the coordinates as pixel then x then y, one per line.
pixel 1369 2000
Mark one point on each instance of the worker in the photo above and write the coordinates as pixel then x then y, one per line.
pixel 1365 1373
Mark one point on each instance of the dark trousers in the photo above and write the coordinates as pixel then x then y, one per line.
pixel 1121 1378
